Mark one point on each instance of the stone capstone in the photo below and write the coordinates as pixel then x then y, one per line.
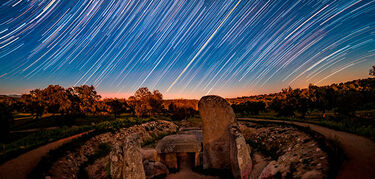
pixel 178 143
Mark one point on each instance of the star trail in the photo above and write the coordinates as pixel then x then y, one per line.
pixel 184 48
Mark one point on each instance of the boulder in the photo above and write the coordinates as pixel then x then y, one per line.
pixel 126 159
pixel 270 170
pixel 155 169
pixel 241 163
pixel 313 174
pixel 169 159
pixel 217 115
pixel 150 154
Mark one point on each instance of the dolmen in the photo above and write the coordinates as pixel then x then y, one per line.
pixel 173 146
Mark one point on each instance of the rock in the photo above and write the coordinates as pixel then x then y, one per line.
pixel 241 163
pixel 150 154
pixel 169 159
pixel 216 115
pixel 193 131
pixel 116 160
pixel 270 170
pixel 260 162
pixel 99 169
pixel 126 159
pixel 155 169
pixel 178 143
pixel 68 166
pixel 313 174
pixel 292 148
pixel 170 146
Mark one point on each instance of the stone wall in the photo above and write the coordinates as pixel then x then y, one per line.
pixel 68 166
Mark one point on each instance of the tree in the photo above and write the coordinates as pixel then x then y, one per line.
pixel 303 102
pixel 60 100
pixel 180 112
pixel 146 103
pixel 115 106
pixel 5 119
pixel 372 71
pixel 249 107
pixel 132 103
pixel 156 102
pixel 87 96
pixel 34 103
pixel 285 102
pixel 323 98
pixel 348 99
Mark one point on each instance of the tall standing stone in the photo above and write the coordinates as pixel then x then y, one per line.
pixel 126 159
pixel 217 115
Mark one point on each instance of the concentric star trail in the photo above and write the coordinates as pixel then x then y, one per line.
pixel 184 48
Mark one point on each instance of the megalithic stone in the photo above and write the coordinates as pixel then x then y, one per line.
pixel 217 115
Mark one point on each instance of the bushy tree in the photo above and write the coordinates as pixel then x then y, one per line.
pixel 180 112
pixel 115 106
pixel 146 103
pixel 5 119
pixel 87 96
pixel 34 103
pixel 249 107
pixel 372 71
pixel 284 104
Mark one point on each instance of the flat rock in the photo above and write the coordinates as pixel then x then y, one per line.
pixel 178 143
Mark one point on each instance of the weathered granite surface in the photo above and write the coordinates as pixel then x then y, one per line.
pixel 217 115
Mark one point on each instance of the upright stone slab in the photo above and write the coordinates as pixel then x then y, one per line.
pixel 217 115
pixel 126 159
pixel 239 153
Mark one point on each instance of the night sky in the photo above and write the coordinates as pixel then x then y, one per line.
pixel 184 48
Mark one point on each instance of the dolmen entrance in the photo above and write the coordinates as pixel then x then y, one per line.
pixel 218 145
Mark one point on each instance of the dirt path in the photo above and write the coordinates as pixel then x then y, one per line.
pixel 20 167
pixel 359 150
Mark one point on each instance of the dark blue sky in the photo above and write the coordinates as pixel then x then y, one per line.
pixel 184 48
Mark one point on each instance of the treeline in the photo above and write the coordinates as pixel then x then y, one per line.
pixel 344 99
pixel 84 100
